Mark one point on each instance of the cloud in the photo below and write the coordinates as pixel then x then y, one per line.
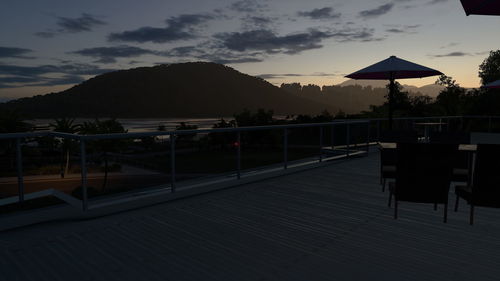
pixel 14 82
pixel 452 44
pixel 182 27
pixel 380 10
pixel 247 6
pixel 395 30
pixel 209 52
pixel 354 34
pixel 230 59
pixel 320 14
pixel 12 76
pixel 452 54
pixel 256 22
pixel 403 29
pixel 84 23
pixel 132 62
pixel 422 3
pixel 12 52
pixel 278 76
pixel 109 54
pixel 267 41
pixel 433 2
pixel 74 68
pixel 151 34
pixel 45 34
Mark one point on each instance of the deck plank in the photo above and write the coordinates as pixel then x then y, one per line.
pixel 328 223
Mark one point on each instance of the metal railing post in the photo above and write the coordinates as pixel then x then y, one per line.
pixel 238 155
pixel 83 169
pixel 333 137
pixel 172 162
pixel 20 178
pixel 368 137
pixel 378 130
pixel 285 148
pixel 320 144
pixel 348 138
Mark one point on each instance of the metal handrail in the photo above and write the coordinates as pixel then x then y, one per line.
pixel 82 139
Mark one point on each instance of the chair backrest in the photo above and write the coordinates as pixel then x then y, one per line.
pixel 406 136
pixel 423 171
pixel 450 137
pixel 456 137
pixel 486 181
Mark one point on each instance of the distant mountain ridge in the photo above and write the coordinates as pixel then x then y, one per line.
pixel 196 89
pixel 431 90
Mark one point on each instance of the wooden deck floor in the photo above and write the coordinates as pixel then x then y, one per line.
pixel 329 223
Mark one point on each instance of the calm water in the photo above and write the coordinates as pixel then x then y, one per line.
pixel 144 125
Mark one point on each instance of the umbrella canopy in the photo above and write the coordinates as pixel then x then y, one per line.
pixel 391 69
pixel 481 7
pixel 492 85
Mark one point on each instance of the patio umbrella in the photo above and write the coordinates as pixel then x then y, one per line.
pixel 391 69
pixel 481 7
pixel 492 85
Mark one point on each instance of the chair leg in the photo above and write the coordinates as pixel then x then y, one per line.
pixel 445 212
pixel 395 208
pixel 471 220
pixel 456 204
pixel 383 185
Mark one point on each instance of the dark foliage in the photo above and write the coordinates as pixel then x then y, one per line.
pixel 489 70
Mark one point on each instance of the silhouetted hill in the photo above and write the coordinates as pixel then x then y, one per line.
pixel 195 89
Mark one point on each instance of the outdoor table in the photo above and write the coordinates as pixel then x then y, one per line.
pixel 470 148
pixel 427 125
pixel 461 147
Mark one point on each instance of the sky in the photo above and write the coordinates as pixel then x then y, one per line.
pixel 51 45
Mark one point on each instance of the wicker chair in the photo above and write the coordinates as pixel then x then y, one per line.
pixel 423 174
pixel 388 157
pixel 485 188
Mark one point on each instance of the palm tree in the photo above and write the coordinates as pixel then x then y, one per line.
pixel 65 125
pixel 111 126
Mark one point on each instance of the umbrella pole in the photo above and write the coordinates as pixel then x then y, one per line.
pixel 391 101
